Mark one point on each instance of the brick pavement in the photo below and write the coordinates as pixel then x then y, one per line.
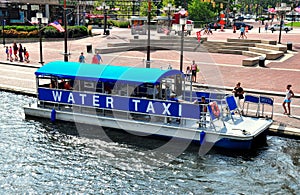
pixel 216 69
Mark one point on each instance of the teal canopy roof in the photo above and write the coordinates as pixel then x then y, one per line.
pixel 104 73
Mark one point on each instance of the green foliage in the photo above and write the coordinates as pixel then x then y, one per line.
pixel 295 24
pixel 120 24
pixel 144 9
pixel 200 11
pixel 48 32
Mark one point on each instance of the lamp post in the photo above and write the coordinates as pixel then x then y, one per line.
pixel 182 23
pixel 65 33
pixel 148 41
pixel 3 33
pixel 281 10
pixel 169 6
pixel 41 21
pixel 105 8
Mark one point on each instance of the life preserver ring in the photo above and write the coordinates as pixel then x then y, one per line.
pixel 215 109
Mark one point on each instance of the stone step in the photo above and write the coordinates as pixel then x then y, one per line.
pixel 244 48
pixel 269 54
pixel 251 54
pixel 260 50
pixel 272 47
pixel 250 61
pixel 230 51
pixel 240 44
pixel 244 40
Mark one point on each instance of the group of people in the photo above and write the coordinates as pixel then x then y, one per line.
pixel 17 53
pixel 95 60
pixel 191 72
pixel 289 94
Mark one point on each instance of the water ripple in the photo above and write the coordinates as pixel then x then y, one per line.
pixel 37 157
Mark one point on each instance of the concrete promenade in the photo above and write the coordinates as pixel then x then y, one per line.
pixel 216 69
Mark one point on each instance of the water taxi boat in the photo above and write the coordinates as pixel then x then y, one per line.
pixel 143 101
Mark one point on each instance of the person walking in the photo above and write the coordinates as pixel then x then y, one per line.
pixel 287 100
pixel 7 52
pixel 266 26
pixel 21 53
pixel 99 57
pixel 11 54
pixel 15 49
pixel 238 94
pixel 81 58
pixel 194 68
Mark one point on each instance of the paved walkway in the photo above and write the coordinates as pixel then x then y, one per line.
pixel 216 69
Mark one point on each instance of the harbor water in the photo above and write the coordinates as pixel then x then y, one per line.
pixel 40 157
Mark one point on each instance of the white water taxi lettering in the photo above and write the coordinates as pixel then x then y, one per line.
pixel 150 107
pixel 57 95
pixel 71 99
pixel 83 96
pixel 96 100
pixel 136 102
pixel 166 109
pixel 114 102
pixel 109 102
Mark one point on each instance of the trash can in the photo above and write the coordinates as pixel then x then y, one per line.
pixel 89 48
pixel 261 61
pixel 289 46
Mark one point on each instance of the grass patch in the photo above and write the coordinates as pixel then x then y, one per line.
pixel 295 24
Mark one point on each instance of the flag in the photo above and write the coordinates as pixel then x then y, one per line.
pixel 56 25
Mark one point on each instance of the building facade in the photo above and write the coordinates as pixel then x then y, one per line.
pixel 21 11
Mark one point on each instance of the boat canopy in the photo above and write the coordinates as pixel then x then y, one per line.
pixel 105 73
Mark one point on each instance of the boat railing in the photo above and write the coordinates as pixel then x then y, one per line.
pixel 261 105
pixel 188 120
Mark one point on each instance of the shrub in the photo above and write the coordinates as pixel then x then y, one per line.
pixel 48 32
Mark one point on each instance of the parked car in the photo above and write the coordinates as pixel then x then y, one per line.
pixel 277 27
pixel 239 18
pixel 238 25
pixel 212 25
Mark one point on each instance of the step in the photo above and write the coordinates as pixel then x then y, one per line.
pixel 240 44
pixel 250 61
pixel 244 48
pixel 260 50
pixel 269 42
pixel 252 54
pixel 230 51
pixel 272 47
pixel 270 54
pixel 244 40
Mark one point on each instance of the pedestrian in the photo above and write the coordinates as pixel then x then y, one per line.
pixel 10 53
pixel 81 58
pixel 242 32
pixel 26 56
pixel 15 49
pixel 266 26
pixel 288 99
pixel 215 26
pixel 99 57
pixel 188 73
pixel 21 53
pixel 24 51
pixel 238 94
pixel 96 59
pixel 7 52
pixel 194 68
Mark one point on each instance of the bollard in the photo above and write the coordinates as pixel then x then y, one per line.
pixel 289 46
pixel 261 61
pixel 89 48
pixel 258 29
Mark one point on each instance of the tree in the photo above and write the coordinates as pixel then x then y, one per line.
pixel 200 11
